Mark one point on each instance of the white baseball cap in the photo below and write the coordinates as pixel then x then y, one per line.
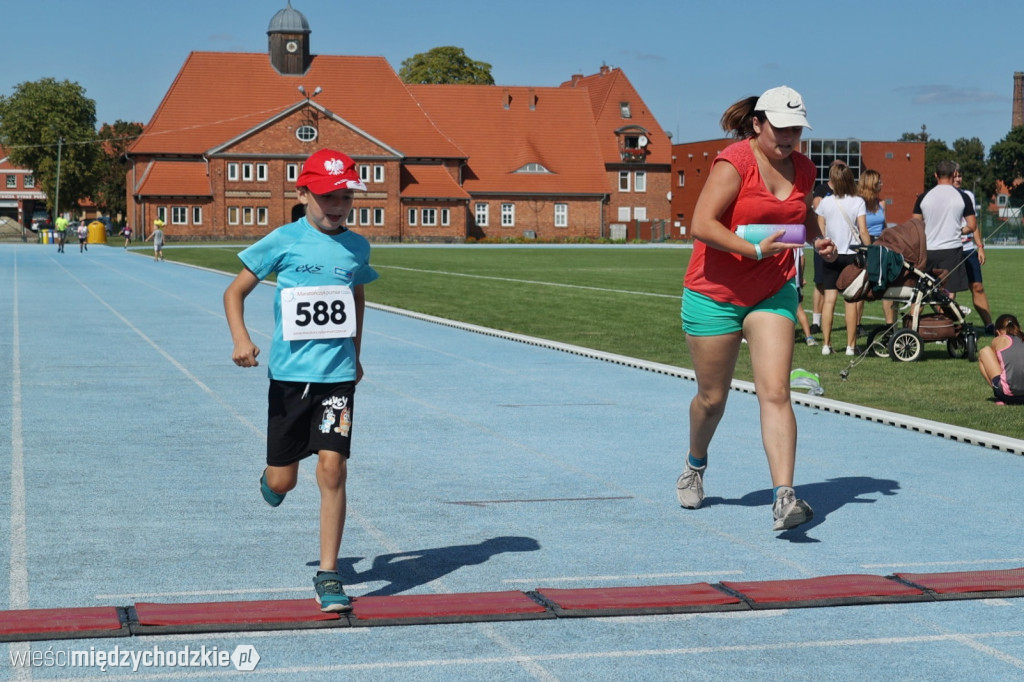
pixel 784 107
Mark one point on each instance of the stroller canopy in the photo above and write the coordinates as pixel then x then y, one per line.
pixel 898 249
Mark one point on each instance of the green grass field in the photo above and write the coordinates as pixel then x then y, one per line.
pixel 626 301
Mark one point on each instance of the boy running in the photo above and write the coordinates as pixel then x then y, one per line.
pixel 314 365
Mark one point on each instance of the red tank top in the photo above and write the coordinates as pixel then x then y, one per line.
pixel 729 277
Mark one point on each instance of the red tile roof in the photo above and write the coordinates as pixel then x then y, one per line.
pixel 553 127
pixel 430 182
pixel 174 178
pixel 217 96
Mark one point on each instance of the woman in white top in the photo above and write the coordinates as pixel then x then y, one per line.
pixel 841 217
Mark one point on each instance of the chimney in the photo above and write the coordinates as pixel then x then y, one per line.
pixel 1018 99
pixel 533 99
pixel 576 78
pixel 604 69
pixel 507 99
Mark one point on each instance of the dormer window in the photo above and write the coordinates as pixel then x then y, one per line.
pixel 533 167
pixel 624 110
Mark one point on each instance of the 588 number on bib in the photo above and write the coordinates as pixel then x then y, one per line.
pixel 327 312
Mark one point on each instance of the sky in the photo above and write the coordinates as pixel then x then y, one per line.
pixel 869 70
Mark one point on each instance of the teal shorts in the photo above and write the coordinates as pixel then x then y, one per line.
pixel 703 316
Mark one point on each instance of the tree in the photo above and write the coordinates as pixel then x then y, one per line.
pixel 110 194
pixel 1006 161
pixel 445 65
pixel 970 154
pixel 47 119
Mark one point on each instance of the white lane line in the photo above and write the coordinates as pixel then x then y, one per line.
pixel 531 281
pixel 1015 563
pixel 637 576
pixel 18 580
pixel 167 356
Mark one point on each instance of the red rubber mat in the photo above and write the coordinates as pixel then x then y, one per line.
pixel 232 615
pixel 1007 583
pixel 446 608
pixel 834 590
pixel 33 624
pixel 616 601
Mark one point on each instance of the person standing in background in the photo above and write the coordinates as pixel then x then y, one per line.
pixel 974 258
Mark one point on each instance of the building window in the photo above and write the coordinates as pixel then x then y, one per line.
pixel 12 182
pixel 197 215
pixel 533 167
pixel 681 178
pixel 824 152
pixel 232 172
pixel 640 181
pixel 262 215
pixel 306 133
pixel 623 181
pixel 261 172
pixel 30 181
pixel 161 213
pixel 561 215
pixel 482 214
pixel 292 172
pixel 247 218
pixel 508 215
pixel 364 216
pixel 430 216
pixel 364 172
pixel 232 215
pixel 623 213
pixel 640 213
pixel 412 216
pixel 624 110
pixel 446 217
pixel 378 173
pixel 247 172
pixel 351 219
pixel 179 215
pixel 378 216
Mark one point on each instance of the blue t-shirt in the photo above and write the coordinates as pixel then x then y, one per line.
pixel 876 221
pixel 303 256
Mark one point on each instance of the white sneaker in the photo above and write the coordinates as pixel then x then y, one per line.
pixel 788 511
pixel 810 341
pixel 826 350
pixel 690 487
pixel 851 350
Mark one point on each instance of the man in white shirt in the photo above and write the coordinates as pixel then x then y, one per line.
pixel 948 213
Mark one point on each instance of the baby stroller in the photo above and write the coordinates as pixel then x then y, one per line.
pixel 894 268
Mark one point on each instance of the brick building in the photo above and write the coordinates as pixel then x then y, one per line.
pixel 220 156
pixel 901 165
pixel 20 197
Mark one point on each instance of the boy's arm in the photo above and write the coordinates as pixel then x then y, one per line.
pixel 360 297
pixel 245 351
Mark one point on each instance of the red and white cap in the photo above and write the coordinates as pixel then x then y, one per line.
pixel 329 170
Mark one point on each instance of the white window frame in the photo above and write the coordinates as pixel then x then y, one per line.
pixel 246 172
pixel 292 172
pixel 378 216
pixel 261 172
pixel 364 216
pixel 12 182
pixel 446 217
pixel 508 215
pixel 179 215
pixel 232 172
pixel 482 213
pixel 623 181
pixel 262 215
pixel 640 212
pixel 428 217
pixel 378 172
pixel 248 216
pixel 640 181
pixel 561 215
pixel 412 217
pixel 29 182
pixel 197 215
pixel 232 215
pixel 623 213
pixel 161 213
pixel 364 172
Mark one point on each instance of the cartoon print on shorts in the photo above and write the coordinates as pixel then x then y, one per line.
pixel 333 405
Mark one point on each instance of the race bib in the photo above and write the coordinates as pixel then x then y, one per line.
pixel 327 312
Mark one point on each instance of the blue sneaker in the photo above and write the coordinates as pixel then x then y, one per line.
pixel 272 498
pixel 330 595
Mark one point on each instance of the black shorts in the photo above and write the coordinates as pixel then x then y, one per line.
pixel 306 418
pixel 1001 395
pixel 973 266
pixel 819 267
pixel 950 260
pixel 830 271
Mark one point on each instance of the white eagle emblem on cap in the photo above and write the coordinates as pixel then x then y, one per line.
pixel 334 166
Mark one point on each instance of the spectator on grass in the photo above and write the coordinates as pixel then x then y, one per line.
pixel 818 301
pixel 974 258
pixel 948 214
pixel 841 218
pixel 314 366
pixel 869 187
pixel 1002 362
pixel 157 235
pixel 735 289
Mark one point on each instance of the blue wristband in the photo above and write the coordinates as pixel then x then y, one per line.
pixel 757 250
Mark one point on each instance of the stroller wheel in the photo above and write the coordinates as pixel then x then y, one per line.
pixel 905 346
pixel 957 346
pixel 971 342
pixel 878 341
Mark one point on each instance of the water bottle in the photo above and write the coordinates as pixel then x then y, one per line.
pixel 817 390
pixel 755 234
